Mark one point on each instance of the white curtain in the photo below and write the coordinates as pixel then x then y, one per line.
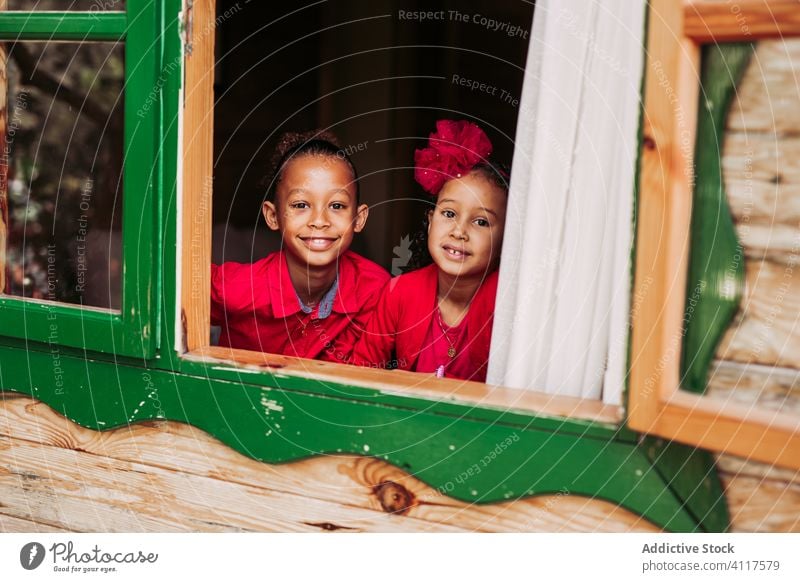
pixel 561 322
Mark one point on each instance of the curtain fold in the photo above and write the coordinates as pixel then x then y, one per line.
pixel 561 321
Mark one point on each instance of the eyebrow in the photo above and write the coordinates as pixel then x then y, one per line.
pixel 305 191
pixel 489 210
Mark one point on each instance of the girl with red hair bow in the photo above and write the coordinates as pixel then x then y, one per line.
pixel 438 319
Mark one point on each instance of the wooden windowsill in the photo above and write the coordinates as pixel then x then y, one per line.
pixel 713 22
pixel 418 385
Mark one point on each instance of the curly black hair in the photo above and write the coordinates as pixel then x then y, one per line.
pixel 292 145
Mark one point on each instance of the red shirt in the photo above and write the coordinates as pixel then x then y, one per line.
pixel 258 308
pixel 403 318
pixel 435 352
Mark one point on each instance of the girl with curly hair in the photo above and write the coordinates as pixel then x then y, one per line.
pixel 438 319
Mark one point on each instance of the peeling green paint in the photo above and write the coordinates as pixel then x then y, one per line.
pixel 716 266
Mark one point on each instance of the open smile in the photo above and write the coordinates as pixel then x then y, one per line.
pixel 456 253
pixel 319 243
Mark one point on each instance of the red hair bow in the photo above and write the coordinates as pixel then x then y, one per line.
pixel 453 150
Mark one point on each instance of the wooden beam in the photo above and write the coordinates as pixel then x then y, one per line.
pixel 731 428
pixel 665 203
pixel 197 175
pixel 743 20
pixel 420 385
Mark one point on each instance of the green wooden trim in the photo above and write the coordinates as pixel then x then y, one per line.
pixel 96 26
pixel 133 330
pixel 470 460
pixel 169 154
pixel 168 101
pixel 145 73
pixel 716 270
pixel 466 410
pixel 165 361
pixel 692 475
pixel 60 324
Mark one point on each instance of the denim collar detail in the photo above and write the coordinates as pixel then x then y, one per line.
pixel 325 305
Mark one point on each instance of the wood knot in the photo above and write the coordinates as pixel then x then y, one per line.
pixel 327 526
pixel 648 142
pixel 393 497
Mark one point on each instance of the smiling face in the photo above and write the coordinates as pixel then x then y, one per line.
pixel 316 210
pixel 465 230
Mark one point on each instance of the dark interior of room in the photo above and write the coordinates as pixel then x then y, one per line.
pixel 373 74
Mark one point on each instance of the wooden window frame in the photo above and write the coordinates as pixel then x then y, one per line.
pixel 133 330
pixel 656 403
pixel 195 275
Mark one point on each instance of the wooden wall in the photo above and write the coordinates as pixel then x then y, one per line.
pixel 761 165
pixel 758 361
pixel 168 477
pixel 165 476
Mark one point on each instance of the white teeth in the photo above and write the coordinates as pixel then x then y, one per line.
pixel 319 243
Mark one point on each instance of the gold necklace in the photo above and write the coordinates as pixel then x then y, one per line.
pixel 451 351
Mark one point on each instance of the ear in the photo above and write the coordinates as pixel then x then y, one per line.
pixel 430 218
pixel 362 213
pixel 270 212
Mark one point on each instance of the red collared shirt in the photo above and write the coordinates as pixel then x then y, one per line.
pixel 258 308
pixel 403 319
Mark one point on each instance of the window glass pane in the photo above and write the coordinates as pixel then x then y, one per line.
pixel 86 5
pixel 61 168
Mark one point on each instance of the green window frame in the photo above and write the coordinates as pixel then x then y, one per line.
pixel 134 330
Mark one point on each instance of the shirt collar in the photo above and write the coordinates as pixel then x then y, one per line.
pixel 325 304
pixel 285 301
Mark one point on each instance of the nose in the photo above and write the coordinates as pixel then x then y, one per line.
pixel 319 219
pixel 459 231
